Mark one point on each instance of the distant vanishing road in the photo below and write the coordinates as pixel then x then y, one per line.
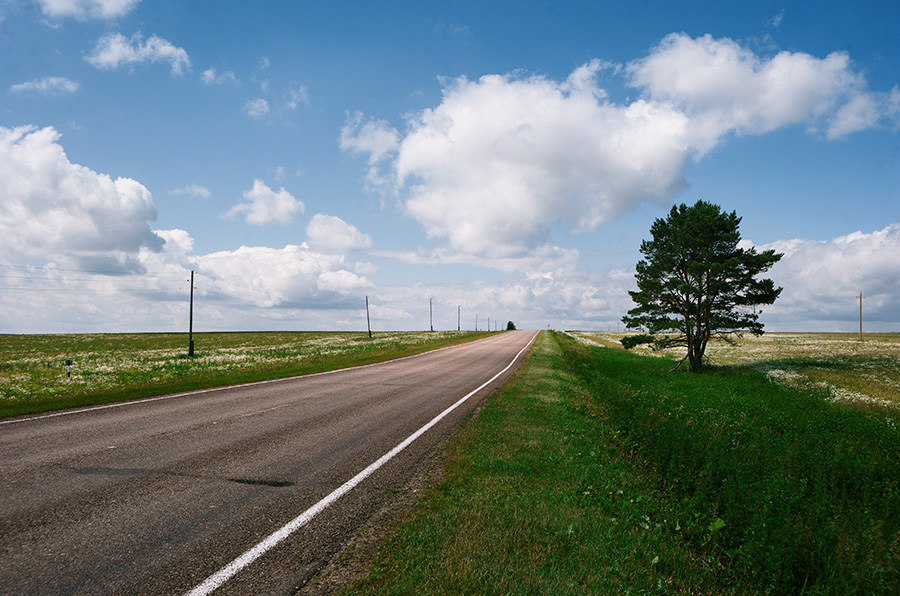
pixel 245 490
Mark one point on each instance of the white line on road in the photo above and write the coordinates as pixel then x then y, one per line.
pixel 223 575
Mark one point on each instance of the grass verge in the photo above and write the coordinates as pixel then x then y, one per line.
pixel 597 471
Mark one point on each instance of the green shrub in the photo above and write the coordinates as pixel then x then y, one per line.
pixel 630 341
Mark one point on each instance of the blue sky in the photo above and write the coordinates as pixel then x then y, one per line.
pixel 506 158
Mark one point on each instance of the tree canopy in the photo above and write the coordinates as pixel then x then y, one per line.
pixel 695 281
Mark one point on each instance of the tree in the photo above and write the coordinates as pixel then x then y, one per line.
pixel 510 326
pixel 696 281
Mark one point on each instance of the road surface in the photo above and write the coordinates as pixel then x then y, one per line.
pixel 159 497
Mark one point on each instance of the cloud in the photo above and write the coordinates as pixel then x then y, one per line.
pixel 726 88
pixel 776 20
pixel 52 208
pixel 504 161
pixel 194 190
pixel 211 77
pixel 330 234
pixel 296 96
pixel 87 9
pixel 256 108
pixel 247 288
pixel 822 279
pixel 290 277
pixel 114 50
pixel 377 139
pixel 46 86
pixel 545 257
pixel 263 205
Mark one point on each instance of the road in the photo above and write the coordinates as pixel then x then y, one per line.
pixel 157 497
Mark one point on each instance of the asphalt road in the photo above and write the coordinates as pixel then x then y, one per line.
pixel 157 497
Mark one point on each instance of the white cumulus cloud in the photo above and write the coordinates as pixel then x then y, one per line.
pixel 263 205
pixel 291 276
pixel 503 160
pixel 114 50
pixel 822 279
pixel 53 208
pixel 726 88
pixel 46 86
pixel 85 9
pixel 330 234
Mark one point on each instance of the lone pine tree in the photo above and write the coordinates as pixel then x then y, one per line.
pixel 695 281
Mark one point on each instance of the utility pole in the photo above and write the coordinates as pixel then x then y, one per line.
pixel 430 317
pixel 368 322
pixel 191 323
pixel 476 321
pixel 458 326
pixel 860 316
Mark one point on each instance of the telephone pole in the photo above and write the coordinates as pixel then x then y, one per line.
pixel 458 326
pixel 860 316
pixel 191 319
pixel 368 322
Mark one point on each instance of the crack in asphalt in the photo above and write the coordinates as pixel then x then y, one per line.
pixel 104 471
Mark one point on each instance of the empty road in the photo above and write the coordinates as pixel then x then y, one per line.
pixel 161 496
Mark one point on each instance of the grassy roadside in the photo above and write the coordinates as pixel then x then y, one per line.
pixel 118 367
pixel 597 472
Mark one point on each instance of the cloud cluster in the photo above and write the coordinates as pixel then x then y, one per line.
pixel 46 86
pixel 822 279
pixel 116 273
pixel 291 277
pixel 261 108
pixel 726 88
pixel 263 205
pixel 85 9
pixel 51 206
pixel 505 158
pixel 114 50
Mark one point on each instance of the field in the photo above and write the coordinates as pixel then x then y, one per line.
pixel 598 471
pixel 113 367
pixel 854 371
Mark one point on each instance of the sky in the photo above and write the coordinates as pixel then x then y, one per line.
pixel 453 163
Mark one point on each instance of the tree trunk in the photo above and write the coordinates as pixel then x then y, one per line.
pixel 695 354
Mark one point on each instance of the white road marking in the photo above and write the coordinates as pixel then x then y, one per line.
pixel 216 580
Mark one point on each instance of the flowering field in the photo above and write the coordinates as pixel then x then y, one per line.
pixel 865 371
pixel 108 367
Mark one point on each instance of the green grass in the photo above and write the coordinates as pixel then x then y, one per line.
pixel 596 471
pixel 864 372
pixel 117 367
